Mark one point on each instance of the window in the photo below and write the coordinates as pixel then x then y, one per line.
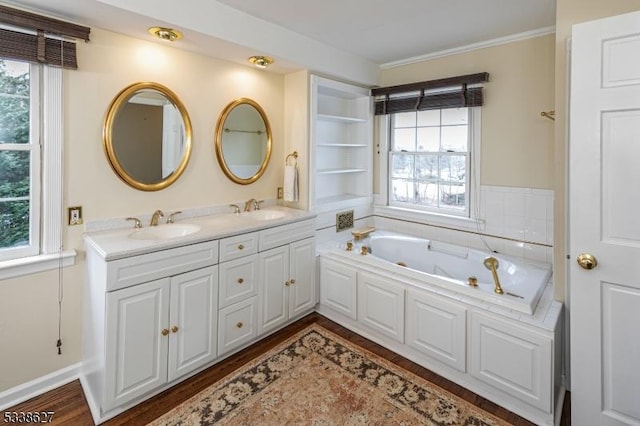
pixel 430 160
pixel 19 159
pixel 429 138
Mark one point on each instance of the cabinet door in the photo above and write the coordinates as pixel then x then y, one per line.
pixel 193 320
pixel 274 276
pixel 512 359
pixel 381 305
pixel 302 256
pixel 437 328
pixel 137 341
pixel 338 287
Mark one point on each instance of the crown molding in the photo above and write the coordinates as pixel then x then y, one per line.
pixel 470 47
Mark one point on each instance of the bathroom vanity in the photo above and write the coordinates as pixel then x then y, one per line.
pixel 163 303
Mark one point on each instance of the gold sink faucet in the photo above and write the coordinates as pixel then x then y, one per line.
pixel 252 202
pixel 155 217
pixel 491 263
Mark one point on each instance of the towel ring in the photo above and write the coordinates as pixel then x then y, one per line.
pixel 293 155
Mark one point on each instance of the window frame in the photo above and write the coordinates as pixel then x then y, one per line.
pixel 438 154
pixel 49 253
pixel 412 212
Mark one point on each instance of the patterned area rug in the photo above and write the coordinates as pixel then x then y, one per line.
pixel 319 378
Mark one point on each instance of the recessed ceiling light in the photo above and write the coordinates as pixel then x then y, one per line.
pixel 261 61
pixel 168 34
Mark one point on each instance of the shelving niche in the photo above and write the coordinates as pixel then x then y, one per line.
pixel 341 144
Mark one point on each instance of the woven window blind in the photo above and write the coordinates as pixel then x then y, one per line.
pixel 26 36
pixel 451 92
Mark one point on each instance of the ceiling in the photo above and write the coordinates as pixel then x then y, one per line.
pixel 310 34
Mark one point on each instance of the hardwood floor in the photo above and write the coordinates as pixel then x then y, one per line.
pixel 70 407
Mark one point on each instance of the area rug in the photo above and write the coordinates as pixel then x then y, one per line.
pixel 318 378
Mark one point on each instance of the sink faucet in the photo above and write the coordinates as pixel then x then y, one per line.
pixel 491 263
pixel 155 217
pixel 249 203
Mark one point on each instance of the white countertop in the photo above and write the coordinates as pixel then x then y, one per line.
pixel 117 243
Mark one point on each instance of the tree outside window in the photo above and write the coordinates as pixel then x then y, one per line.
pixel 15 154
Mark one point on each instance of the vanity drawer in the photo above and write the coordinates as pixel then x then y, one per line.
pixel 285 234
pixel 237 325
pixel 133 270
pixel 238 280
pixel 238 246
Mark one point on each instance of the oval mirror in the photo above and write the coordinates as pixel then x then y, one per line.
pixel 147 136
pixel 243 141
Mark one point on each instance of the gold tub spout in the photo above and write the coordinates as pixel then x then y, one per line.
pixel 491 263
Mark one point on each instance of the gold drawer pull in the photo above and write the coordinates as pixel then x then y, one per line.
pixel 240 280
pixel 292 281
pixel 240 247
pixel 174 328
pixel 239 324
pixel 165 331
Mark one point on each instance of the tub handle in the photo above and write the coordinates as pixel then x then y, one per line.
pixel 364 250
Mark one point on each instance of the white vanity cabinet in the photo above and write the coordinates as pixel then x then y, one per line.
pixel 287 284
pixel 239 281
pixel 149 320
pixel 287 274
pixel 159 331
pixel 157 312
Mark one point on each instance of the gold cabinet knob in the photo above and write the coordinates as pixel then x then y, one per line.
pixel 292 281
pixel 239 324
pixel 587 261
pixel 174 328
pixel 240 280
pixel 165 331
pixel 288 283
pixel 240 247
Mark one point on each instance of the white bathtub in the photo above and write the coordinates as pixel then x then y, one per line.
pixel 450 266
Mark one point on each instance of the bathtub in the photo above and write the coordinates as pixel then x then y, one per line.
pixel 450 266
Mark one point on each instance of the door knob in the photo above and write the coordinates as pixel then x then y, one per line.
pixel 587 261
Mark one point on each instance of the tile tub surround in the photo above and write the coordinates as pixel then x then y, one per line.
pixel 515 221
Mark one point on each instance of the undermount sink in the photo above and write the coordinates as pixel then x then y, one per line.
pixel 265 214
pixel 164 232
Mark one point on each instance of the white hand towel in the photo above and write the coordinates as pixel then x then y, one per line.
pixel 290 183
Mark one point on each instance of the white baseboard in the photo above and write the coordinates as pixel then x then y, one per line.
pixel 38 386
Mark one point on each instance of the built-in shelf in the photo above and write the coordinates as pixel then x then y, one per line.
pixel 339 171
pixel 342 145
pixel 341 126
pixel 342 118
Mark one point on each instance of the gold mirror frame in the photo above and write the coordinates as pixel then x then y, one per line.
pixel 218 141
pixel 107 135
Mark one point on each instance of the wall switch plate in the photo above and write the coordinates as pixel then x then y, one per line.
pixel 280 193
pixel 75 215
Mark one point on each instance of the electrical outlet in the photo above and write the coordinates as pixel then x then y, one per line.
pixel 280 193
pixel 75 215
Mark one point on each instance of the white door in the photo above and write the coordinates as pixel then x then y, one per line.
pixel 137 341
pixel 193 320
pixel 604 185
pixel 274 278
pixel 302 267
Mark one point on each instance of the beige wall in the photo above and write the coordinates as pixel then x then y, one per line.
pixel 569 12
pixel 517 143
pixel 28 305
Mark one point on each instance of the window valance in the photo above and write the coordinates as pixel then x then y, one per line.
pixel 451 92
pixel 27 36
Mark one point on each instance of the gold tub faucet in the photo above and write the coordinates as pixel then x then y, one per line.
pixel 491 263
